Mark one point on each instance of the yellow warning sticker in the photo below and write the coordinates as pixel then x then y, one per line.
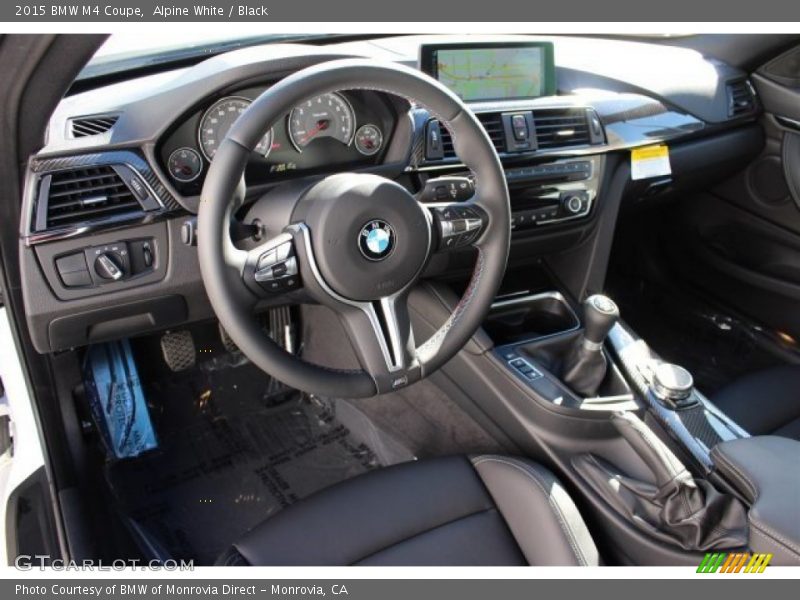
pixel 650 161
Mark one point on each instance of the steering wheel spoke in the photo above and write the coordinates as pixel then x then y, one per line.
pixel 383 337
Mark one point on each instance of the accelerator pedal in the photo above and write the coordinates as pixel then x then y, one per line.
pixel 282 328
pixel 227 342
pixel 178 350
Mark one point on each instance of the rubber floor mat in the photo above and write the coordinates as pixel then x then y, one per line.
pixel 230 456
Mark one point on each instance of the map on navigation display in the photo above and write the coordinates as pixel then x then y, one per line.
pixel 492 73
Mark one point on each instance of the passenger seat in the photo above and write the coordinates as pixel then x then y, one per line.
pixel 766 402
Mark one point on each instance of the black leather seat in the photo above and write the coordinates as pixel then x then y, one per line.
pixel 483 510
pixel 765 403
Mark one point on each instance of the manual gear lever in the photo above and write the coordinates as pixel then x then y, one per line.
pixel 585 365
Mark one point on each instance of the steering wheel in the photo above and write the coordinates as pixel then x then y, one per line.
pixel 354 242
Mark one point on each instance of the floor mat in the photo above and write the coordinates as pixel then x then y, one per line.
pixel 230 455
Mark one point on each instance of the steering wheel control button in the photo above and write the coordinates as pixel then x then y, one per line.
pixel 376 240
pixel 271 286
pixel 459 226
pixel 673 385
pixel 276 270
pixel 290 282
pixel 267 259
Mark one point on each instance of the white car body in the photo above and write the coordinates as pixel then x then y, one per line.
pixel 26 455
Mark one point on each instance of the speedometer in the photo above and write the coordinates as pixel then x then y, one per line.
pixel 325 116
pixel 219 119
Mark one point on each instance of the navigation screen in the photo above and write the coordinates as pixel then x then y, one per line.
pixel 493 72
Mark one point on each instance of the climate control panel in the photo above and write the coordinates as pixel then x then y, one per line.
pixel 555 192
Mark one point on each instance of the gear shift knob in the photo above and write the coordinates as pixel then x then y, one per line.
pixel 585 366
pixel 600 313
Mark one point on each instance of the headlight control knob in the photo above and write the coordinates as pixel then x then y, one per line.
pixel 108 265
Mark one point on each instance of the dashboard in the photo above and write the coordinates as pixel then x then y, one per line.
pixel 107 241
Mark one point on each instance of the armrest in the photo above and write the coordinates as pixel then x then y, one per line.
pixel 765 470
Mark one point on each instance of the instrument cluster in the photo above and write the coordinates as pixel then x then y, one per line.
pixel 347 129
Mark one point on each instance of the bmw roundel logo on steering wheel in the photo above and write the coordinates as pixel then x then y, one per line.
pixel 376 240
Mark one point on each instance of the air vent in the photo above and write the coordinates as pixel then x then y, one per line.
pixel 85 194
pixel 561 127
pixel 492 123
pixel 741 98
pixel 92 125
pixel 555 128
pixel 447 142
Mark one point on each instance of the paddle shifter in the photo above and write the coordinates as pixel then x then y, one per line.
pixel 585 365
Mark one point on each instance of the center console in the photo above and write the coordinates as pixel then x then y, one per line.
pixel 570 382
pixel 540 339
pixel 596 362
pixel 667 478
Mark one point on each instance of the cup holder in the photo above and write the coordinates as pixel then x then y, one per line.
pixel 526 318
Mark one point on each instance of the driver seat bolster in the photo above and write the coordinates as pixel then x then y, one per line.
pixel 481 510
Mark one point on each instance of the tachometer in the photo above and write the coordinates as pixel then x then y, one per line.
pixel 218 120
pixel 325 116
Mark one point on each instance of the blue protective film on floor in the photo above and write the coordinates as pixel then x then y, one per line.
pixel 117 401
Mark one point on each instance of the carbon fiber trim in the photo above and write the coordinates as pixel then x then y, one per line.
pixel 696 421
pixel 699 427
pixel 131 158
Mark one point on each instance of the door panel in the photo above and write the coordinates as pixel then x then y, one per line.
pixel 763 188
pixel 743 260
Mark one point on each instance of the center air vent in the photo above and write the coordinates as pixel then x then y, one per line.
pixel 492 123
pixel 555 128
pixel 741 98
pixel 84 194
pixel 91 125
pixel 561 127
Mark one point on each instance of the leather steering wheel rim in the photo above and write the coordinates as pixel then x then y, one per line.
pixel 223 189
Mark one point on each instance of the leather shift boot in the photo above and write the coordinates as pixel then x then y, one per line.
pixel 676 508
pixel 584 370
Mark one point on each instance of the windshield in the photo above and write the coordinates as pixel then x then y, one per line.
pixel 125 51
pixel 122 52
